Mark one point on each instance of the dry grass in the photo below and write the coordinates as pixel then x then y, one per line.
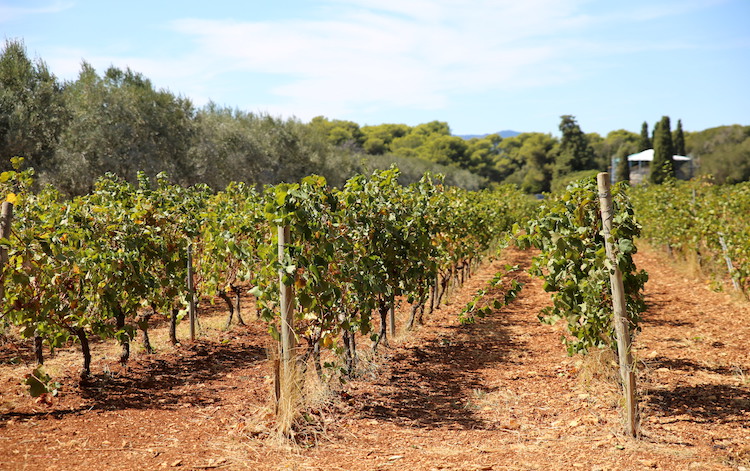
pixel 711 272
pixel 599 369
pixel 740 457
pixel 599 376
pixel 296 413
pixel 289 405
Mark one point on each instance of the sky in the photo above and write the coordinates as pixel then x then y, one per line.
pixel 480 65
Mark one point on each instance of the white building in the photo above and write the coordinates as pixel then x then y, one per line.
pixel 640 164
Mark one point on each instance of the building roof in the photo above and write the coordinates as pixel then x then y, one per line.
pixel 648 155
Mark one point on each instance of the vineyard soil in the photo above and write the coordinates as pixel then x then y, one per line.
pixel 496 395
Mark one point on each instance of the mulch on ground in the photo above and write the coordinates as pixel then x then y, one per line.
pixel 498 394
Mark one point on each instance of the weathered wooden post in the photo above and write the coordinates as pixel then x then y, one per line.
pixel 392 318
pixel 622 330
pixel 286 304
pixel 191 291
pixel 285 367
pixel 728 260
pixel 6 215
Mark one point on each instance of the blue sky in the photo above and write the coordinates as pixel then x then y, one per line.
pixel 480 65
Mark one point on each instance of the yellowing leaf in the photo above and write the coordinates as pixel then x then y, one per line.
pixel 11 198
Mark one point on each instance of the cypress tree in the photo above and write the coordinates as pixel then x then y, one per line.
pixel 662 167
pixel 679 139
pixel 622 172
pixel 644 142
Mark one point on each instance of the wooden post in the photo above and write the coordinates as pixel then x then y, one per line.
pixel 391 322
pixel 6 216
pixel 622 329
pixel 392 318
pixel 433 294
pixel 730 266
pixel 286 304
pixel 191 290
pixel 276 384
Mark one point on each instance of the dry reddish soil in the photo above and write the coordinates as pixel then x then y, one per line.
pixel 496 395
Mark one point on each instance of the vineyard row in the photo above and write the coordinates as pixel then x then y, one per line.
pixel 701 222
pixel 105 263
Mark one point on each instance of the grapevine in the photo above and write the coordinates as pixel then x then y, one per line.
pixel 104 263
pixel 573 264
pixel 691 219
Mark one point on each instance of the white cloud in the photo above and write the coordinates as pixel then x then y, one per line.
pixel 394 53
pixel 366 55
pixel 9 12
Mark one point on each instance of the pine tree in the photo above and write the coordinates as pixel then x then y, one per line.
pixel 662 167
pixel 679 139
pixel 575 151
pixel 644 142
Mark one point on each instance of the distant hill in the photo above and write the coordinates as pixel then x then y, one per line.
pixel 503 134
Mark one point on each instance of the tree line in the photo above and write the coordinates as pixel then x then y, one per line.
pixel 72 132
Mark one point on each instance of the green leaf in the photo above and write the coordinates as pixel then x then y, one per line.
pixel 39 382
pixel 626 246
pixel 305 300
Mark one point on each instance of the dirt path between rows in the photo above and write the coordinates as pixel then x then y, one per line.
pixel 499 394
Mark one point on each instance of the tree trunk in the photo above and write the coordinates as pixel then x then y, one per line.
pixel 418 303
pixel 443 287
pixel 146 340
pixel 383 335
pixel 38 352
pixel 173 325
pixel 143 325
pixel 124 339
pixel 412 316
pixel 433 295
pixel 420 313
pixel 80 332
pixel 223 295
pixel 236 291
pixel 350 353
